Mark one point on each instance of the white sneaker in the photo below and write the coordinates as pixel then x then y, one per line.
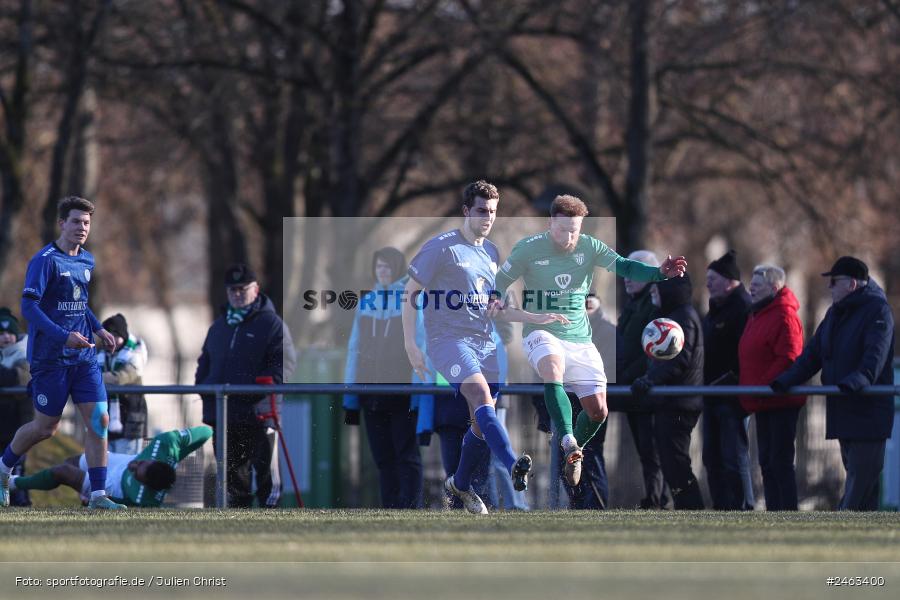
pixel 470 499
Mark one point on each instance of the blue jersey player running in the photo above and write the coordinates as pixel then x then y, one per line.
pixel 61 328
pixel 451 279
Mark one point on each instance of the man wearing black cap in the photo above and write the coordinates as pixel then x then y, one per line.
pixel 854 348
pixel 248 340
pixel 726 445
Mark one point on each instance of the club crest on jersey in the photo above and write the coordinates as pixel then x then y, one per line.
pixel 42 399
pixel 579 259
pixel 563 280
pixel 87 274
pixel 76 291
pixel 480 284
pixel 455 370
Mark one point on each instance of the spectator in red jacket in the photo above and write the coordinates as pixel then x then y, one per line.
pixel 772 341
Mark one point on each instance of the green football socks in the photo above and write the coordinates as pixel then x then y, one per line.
pixel 42 480
pixel 559 407
pixel 585 429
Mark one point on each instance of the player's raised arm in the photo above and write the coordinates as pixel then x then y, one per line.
pixel 408 314
pixel 636 270
pixel 192 438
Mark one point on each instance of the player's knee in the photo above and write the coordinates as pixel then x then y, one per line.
pixel 476 393
pixel 598 414
pixel 100 420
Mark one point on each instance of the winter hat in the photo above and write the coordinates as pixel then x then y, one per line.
pixel 117 326
pixel 726 266
pixel 8 323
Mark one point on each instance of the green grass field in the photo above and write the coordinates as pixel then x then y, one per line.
pixel 341 553
pixel 365 535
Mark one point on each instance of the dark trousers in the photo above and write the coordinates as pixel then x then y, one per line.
pixel 250 453
pixel 726 455
pixel 395 449
pixel 672 431
pixel 776 431
pixel 656 492
pixel 863 461
pixel 592 492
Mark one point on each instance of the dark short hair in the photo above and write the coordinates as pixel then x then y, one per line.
pixel 568 206
pixel 479 189
pixel 70 203
pixel 160 475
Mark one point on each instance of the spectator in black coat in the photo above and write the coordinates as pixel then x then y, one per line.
pixel 854 348
pixel 248 340
pixel 726 443
pixel 631 364
pixel 675 417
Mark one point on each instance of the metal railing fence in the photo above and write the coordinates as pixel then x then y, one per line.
pixel 616 394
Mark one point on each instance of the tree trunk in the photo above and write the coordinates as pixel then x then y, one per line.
pixel 226 240
pixel 12 145
pixel 347 118
pixel 630 223
pixel 76 79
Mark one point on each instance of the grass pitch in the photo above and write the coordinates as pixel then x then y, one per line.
pixel 367 535
pixel 400 554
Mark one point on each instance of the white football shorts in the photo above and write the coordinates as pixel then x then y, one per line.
pixel 584 374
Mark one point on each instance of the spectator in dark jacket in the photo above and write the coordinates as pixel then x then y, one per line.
pixel 248 340
pixel 18 409
pixel 632 363
pixel 772 341
pixel 854 348
pixel 726 445
pixel 375 354
pixel 675 417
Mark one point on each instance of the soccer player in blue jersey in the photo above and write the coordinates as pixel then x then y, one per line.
pixel 451 279
pixel 61 328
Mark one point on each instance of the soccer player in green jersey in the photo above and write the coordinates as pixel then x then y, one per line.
pixel 557 267
pixel 141 479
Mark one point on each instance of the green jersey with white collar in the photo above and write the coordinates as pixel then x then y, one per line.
pixel 557 281
pixel 170 447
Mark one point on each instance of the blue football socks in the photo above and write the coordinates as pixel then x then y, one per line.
pixel 475 451
pixel 10 459
pixel 495 435
pixel 97 476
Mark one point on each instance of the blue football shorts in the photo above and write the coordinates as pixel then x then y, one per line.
pixel 50 388
pixel 459 359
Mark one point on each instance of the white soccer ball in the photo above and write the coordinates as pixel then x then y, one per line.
pixel 662 339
